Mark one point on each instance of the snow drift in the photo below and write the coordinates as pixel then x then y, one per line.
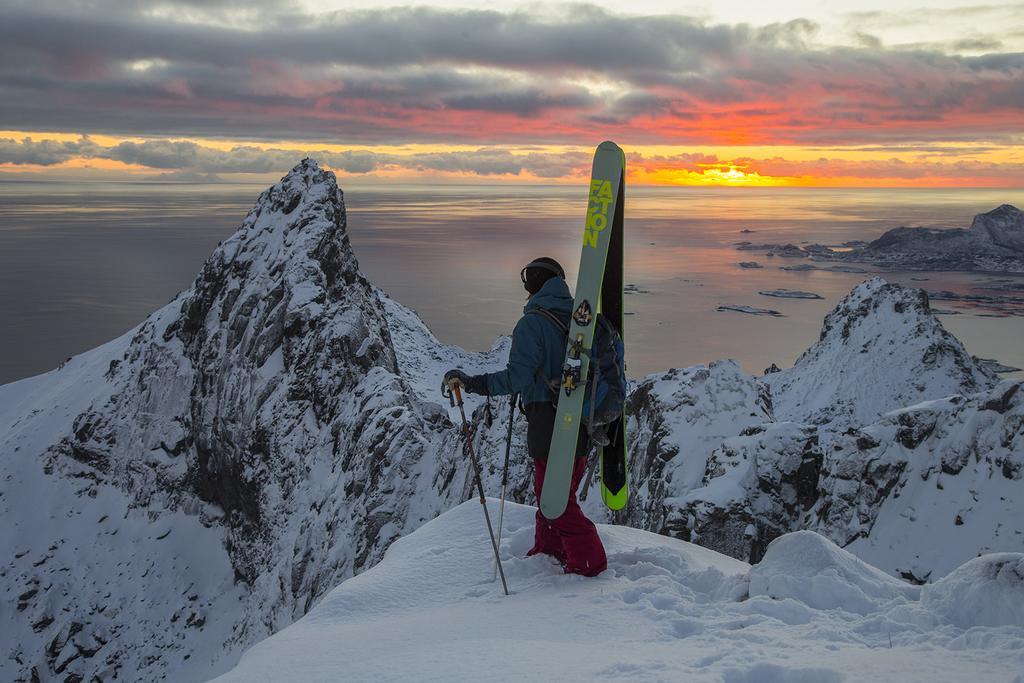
pixel 664 610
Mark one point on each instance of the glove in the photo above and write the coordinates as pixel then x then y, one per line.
pixel 475 384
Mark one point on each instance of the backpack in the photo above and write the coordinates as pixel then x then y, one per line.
pixel 606 390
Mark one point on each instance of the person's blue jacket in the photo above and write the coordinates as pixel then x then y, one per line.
pixel 536 343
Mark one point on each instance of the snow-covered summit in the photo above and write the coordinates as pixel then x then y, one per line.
pixel 880 349
pixel 236 455
pixel 664 610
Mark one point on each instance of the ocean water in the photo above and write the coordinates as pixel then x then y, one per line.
pixel 80 263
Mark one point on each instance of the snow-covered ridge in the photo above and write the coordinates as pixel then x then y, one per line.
pixel 186 490
pixel 664 610
pixel 886 436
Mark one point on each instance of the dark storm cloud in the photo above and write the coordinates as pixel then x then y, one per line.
pixel 524 102
pixel 592 39
pixel 422 74
pixel 631 105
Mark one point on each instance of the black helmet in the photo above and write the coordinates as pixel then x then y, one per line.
pixel 538 271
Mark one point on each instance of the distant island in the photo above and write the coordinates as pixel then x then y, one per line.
pixel 993 243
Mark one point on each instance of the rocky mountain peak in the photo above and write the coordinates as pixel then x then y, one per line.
pixel 885 436
pixel 872 307
pixel 1003 226
pixel 262 411
pixel 292 252
pixel 880 348
pixel 676 420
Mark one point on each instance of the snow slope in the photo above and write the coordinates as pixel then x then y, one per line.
pixel 955 470
pixel 665 610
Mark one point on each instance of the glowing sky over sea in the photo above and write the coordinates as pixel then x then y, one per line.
pixel 783 93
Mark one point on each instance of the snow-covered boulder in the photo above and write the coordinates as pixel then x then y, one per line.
pixel 880 349
pixel 809 568
pixel 987 591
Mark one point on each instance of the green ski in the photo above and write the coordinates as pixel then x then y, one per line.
pixel 602 229
pixel 614 484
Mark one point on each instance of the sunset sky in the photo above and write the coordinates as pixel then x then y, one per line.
pixel 728 93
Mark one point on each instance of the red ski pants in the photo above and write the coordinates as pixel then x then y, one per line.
pixel 572 538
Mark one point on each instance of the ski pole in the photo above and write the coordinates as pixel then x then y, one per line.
pixel 591 466
pixel 594 448
pixel 455 397
pixel 504 476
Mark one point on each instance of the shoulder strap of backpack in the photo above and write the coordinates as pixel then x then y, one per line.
pixel 552 384
pixel 552 317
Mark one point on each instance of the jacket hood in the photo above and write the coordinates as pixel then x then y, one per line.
pixel 554 295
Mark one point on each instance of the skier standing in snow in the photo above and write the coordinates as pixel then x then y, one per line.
pixel 538 349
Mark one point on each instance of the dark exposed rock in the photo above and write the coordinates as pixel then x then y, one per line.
pixel 1002 226
pixel 913 578
pixel 787 251
pixel 1004 400
pixel 789 294
pixel 994 366
pixel 751 310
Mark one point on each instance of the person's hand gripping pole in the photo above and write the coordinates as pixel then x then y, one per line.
pixel 454 395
